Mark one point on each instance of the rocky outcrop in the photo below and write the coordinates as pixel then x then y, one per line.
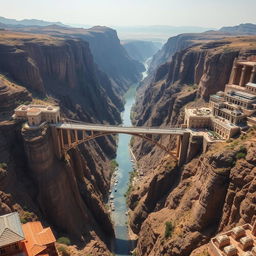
pixel 212 193
pixel 11 95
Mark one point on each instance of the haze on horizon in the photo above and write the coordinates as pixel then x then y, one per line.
pixel 203 13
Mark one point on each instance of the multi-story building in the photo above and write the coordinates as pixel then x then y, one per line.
pixel 232 110
pixel 37 114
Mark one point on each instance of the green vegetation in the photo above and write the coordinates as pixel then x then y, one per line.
pixel 3 166
pixel 132 141
pixel 64 240
pixel 168 229
pixel 242 153
pixel 26 217
pixel 20 102
pixel 113 165
pixel 63 251
pixel 133 174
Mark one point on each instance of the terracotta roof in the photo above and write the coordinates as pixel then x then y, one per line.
pixel 37 237
pixel 10 229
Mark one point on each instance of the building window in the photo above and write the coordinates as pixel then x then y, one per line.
pixel 2 251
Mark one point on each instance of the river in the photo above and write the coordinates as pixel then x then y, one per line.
pixel 123 158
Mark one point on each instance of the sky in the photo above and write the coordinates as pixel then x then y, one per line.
pixel 204 13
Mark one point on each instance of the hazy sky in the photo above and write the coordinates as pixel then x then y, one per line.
pixel 206 13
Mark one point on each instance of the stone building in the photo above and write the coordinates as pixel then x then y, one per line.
pixel 11 235
pixel 240 241
pixel 37 114
pixel 232 110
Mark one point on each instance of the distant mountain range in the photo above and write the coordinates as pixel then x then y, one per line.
pixel 246 28
pixel 157 33
pixel 29 22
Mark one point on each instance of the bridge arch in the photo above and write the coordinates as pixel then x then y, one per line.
pixel 76 142
pixel 64 141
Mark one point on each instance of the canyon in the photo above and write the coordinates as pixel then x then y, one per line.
pixel 87 72
pixel 211 193
pixel 67 194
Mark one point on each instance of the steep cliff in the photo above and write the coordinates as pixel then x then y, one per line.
pixel 63 69
pixel 204 67
pixel 79 183
pixel 181 209
pixel 108 53
pixel 180 42
pixel 140 50
pixel 66 194
pixel 201 198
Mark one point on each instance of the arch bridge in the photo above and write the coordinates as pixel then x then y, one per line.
pixel 70 135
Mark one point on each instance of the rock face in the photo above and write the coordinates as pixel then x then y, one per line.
pixel 140 50
pixel 202 198
pixel 212 193
pixel 62 68
pixel 108 53
pixel 183 41
pixel 10 96
pixel 66 194
pixel 193 74
pixel 180 42
pixel 80 184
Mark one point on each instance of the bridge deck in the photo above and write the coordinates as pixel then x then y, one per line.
pixel 120 129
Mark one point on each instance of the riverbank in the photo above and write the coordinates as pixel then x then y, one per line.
pixel 125 158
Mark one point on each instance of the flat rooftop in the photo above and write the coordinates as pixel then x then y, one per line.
pixel 236 240
pixel 251 84
pixel 35 108
pixel 199 112
pixel 244 96
pixel 225 123
pixel 247 63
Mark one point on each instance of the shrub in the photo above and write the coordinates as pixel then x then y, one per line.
pixel 63 251
pixel 64 240
pixel 3 166
pixel 240 155
pixel 26 217
pixel 168 229
pixel 113 165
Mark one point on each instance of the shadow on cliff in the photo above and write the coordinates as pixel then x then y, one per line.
pixel 123 247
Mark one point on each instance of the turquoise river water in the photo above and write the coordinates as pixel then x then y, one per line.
pixel 123 245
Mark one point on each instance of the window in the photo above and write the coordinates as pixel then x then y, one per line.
pixel 2 251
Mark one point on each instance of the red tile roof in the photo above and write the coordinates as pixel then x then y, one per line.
pixel 37 238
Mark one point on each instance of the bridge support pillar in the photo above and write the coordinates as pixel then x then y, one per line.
pixel 69 137
pixel 76 136
pixel 57 142
pixel 183 149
